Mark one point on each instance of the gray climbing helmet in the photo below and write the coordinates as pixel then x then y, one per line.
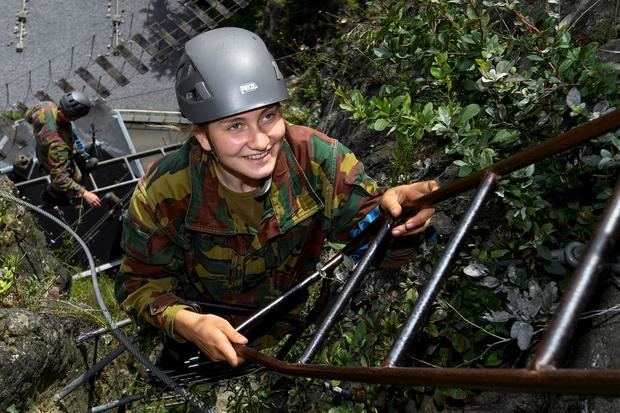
pixel 74 104
pixel 227 71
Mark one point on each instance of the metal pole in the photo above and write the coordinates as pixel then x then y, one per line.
pixel 347 291
pixel 82 378
pixel 580 288
pixel 103 330
pixel 118 403
pixel 287 296
pixel 431 289
pixel 561 381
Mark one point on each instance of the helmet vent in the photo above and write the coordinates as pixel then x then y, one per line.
pixel 278 73
pixel 202 90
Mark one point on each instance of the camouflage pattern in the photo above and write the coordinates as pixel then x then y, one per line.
pixel 183 243
pixel 55 146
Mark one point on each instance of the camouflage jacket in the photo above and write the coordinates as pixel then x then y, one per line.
pixel 55 145
pixel 182 242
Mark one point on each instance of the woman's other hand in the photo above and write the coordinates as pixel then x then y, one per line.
pixel 399 197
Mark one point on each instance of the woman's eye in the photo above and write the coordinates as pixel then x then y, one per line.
pixel 235 126
pixel 269 116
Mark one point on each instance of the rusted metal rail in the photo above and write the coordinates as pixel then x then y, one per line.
pixel 560 381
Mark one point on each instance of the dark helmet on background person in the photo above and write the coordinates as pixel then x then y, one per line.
pixel 74 104
pixel 226 71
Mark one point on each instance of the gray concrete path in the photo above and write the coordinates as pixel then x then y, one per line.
pixel 63 35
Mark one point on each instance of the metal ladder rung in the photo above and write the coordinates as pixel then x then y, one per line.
pixel 42 95
pixel 132 59
pixel 181 24
pixel 165 35
pixel 64 85
pixel 149 47
pixel 200 14
pixel 220 8
pixel 116 74
pixel 92 81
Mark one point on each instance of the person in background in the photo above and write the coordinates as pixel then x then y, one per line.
pixel 56 148
pixel 239 214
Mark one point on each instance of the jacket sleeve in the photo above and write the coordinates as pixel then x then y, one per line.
pixel 151 267
pixel 355 204
pixel 59 159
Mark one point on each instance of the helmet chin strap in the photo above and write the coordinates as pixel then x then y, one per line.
pixel 212 152
pixel 264 188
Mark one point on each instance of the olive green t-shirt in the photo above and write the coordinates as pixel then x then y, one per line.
pixel 244 204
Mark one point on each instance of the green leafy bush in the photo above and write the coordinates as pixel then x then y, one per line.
pixel 484 81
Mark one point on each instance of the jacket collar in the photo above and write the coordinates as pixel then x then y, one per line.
pixel 290 200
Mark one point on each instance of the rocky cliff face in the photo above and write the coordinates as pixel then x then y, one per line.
pixel 37 353
pixel 37 348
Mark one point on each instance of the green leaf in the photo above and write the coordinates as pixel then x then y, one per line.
pixel 498 253
pixel 486 158
pixel 465 170
pixel 460 342
pixel 556 268
pixel 437 73
pixel 396 102
pixel 504 135
pixel 565 65
pixel 492 360
pixel 382 52
pixel 485 19
pixel 356 97
pixel 468 38
pixel 360 331
pixel 439 399
pixel 428 110
pixel 471 13
pixel 455 394
pixel 469 112
pixel 535 58
pixel 544 253
pixel 380 125
pixel 431 330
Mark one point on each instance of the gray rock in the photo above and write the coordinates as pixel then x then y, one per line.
pixel 36 352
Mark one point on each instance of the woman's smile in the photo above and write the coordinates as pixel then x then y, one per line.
pixel 259 156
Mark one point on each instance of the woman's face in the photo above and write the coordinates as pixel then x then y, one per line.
pixel 247 146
